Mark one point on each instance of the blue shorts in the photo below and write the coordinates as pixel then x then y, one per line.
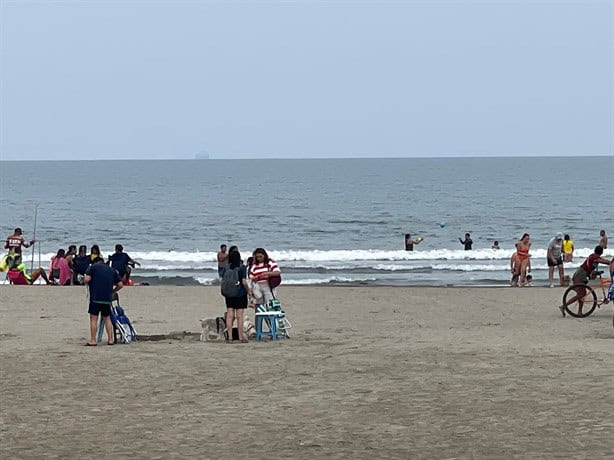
pixel 220 271
pixel 97 307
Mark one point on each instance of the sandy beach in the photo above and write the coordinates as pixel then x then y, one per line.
pixel 370 372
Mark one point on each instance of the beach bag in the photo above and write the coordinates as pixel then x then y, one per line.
pixel 231 283
pixel 124 331
pixel 274 281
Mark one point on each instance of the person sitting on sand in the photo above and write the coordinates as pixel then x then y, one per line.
pixel 582 275
pixel 260 272
pixel 70 256
pixel 80 263
pixel 123 263
pixel 95 253
pixel 59 271
pixel 20 276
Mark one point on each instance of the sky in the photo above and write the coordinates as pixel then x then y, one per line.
pixel 300 79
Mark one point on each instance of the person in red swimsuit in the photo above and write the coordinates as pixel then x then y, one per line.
pixel 522 256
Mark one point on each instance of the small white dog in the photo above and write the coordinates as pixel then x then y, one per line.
pixel 211 331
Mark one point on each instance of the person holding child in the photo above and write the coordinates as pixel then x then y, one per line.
pixel 523 245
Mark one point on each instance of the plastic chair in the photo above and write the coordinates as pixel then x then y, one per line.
pixel 275 319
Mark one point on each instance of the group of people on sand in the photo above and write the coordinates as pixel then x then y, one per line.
pixel 560 250
pixel 247 284
pixel 67 267
pixel 70 267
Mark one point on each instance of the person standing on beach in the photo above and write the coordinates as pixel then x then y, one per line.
pixel 234 290
pixel 222 260
pixel 555 259
pixel 95 253
pixel 123 263
pixel 260 272
pixel 14 243
pixel 603 240
pixel 80 264
pixel 468 242
pixel 567 249
pixel 523 245
pixel 102 281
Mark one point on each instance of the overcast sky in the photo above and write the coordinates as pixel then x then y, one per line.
pixel 169 79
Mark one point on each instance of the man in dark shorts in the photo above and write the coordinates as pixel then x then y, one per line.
pixel 583 274
pixel 554 257
pixel 14 243
pixel 101 279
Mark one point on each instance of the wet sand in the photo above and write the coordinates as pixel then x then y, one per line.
pixel 370 372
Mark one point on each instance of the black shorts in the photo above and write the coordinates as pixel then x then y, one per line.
pixel 554 263
pixel 96 307
pixel 237 302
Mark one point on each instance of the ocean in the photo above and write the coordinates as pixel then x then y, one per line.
pixel 324 220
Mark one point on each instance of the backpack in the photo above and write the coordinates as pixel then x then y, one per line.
pixel 231 283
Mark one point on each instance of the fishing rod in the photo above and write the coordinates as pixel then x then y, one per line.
pixel 34 239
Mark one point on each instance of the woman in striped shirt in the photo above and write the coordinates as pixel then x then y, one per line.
pixel 262 269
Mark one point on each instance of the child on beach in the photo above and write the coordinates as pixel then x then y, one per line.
pixel 515 266
pixel 567 249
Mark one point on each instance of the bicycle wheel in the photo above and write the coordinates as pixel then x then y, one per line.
pixel 582 306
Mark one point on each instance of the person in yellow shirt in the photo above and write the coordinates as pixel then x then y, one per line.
pixel 567 249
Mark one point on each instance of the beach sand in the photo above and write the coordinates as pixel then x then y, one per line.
pixel 370 372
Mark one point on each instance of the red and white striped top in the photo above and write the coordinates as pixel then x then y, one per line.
pixel 256 270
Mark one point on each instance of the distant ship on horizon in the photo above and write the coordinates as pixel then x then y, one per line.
pixel 202 155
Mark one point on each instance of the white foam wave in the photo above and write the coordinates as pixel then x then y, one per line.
pixel 355 260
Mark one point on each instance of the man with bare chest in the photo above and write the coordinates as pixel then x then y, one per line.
pixel 222 260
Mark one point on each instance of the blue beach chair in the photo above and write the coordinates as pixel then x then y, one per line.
pixel 274 317
pixel 122 326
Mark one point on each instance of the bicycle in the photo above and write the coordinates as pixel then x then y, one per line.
pixel 580 300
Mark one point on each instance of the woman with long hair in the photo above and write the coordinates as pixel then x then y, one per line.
pixel 263 269
pixel 235 294
pixel 523 245
pixel 59 271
